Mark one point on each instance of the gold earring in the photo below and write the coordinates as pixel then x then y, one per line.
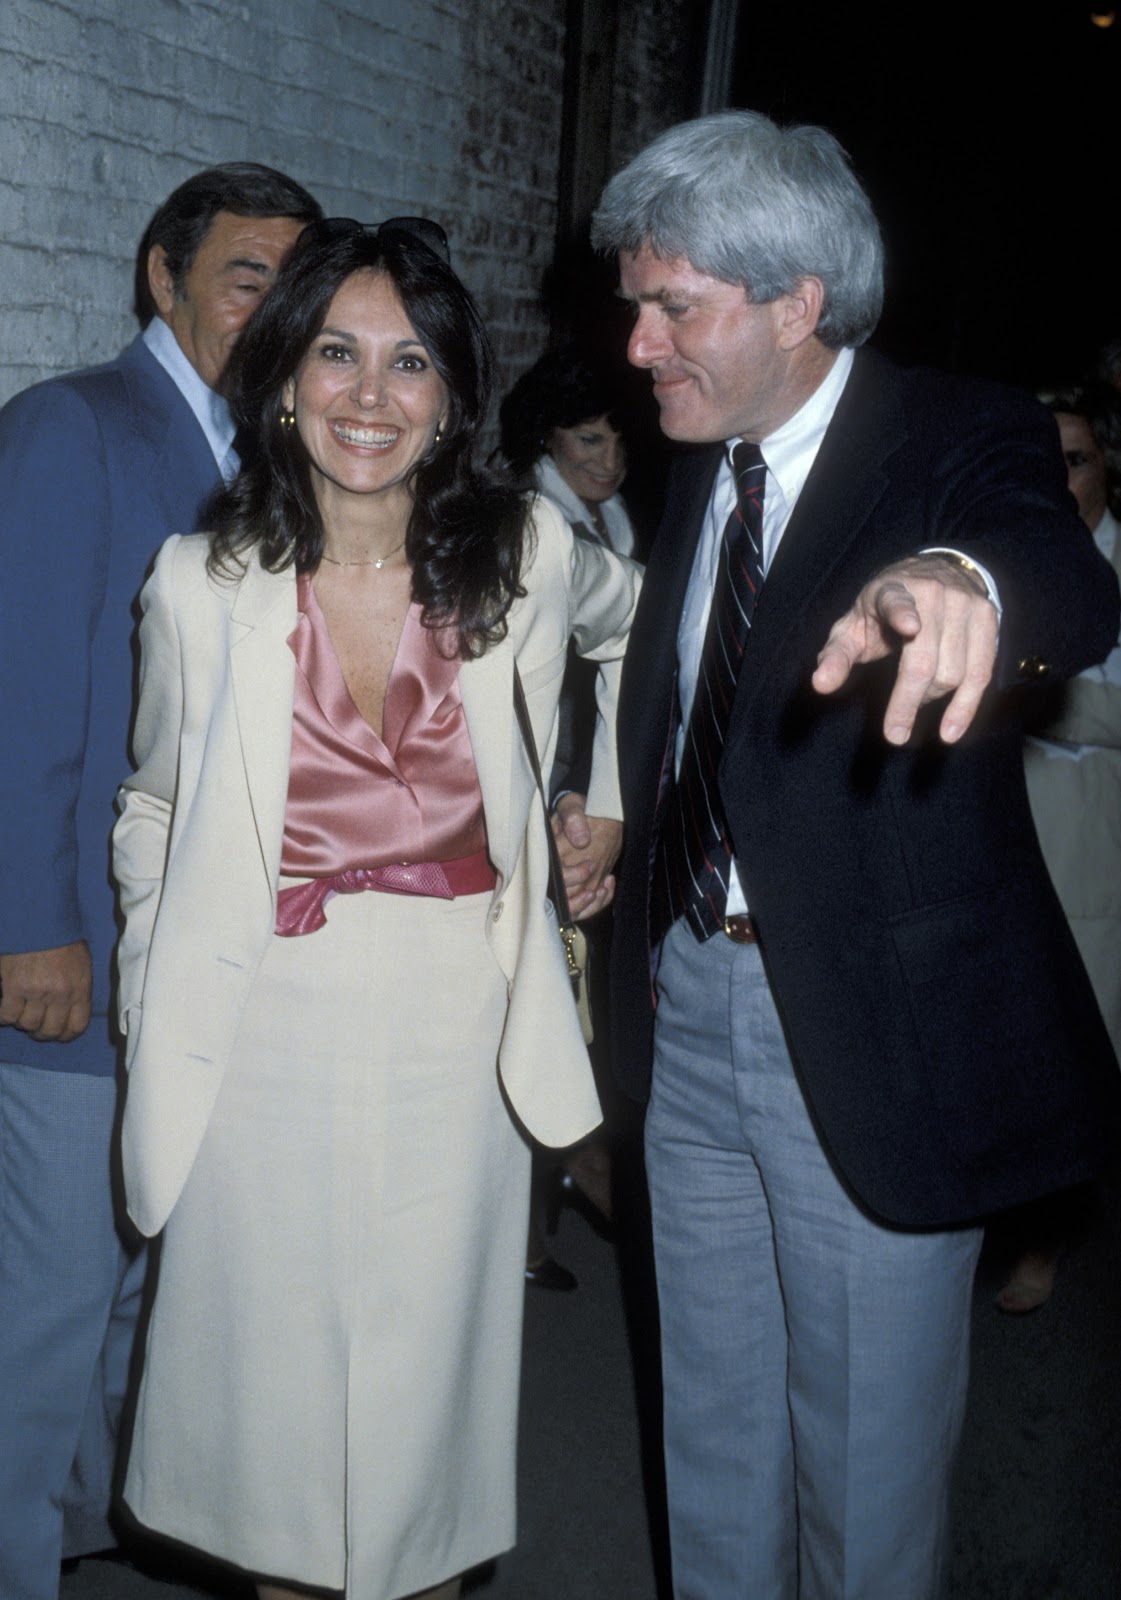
pixel 287 420
pixel 438 437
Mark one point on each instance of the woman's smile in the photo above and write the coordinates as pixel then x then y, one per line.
pixel 364 437
pixel 367 398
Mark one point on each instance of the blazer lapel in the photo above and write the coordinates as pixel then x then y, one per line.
pixel 183 470
pixel 486 687
pixel 843 488
pixel 263 671
pixel 646 706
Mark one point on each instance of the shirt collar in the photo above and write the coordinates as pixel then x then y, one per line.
pixel 210 410
pixel 790 451
pixel 550 483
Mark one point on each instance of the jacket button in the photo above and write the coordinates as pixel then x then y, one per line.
pixel 1033 667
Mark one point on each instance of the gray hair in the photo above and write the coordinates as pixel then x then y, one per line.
pixel 750 202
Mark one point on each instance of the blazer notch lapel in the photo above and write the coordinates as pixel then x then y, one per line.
pixel 650 671
pixel 183 469
pixel 486 687
pixel 845 484
pixel 263 673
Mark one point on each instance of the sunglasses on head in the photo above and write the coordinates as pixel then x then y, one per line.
pixel 422 229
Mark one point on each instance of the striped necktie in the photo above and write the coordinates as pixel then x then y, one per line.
pixel 694 856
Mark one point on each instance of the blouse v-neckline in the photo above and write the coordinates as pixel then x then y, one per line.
pixel 419 679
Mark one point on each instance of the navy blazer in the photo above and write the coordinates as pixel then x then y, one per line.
pixel 97 468
pixel 941 1024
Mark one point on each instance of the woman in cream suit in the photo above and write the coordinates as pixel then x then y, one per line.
pixel 339 965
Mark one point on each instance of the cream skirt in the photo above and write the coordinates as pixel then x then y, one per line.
pixel 330 1388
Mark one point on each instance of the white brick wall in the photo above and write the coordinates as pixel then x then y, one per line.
pixel 449 107
pixel 378 108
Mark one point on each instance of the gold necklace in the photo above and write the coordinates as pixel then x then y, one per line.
pixel 379 563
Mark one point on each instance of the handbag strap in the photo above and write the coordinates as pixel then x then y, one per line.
pixel 557 891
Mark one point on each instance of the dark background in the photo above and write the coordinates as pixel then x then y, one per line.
pixel 989 145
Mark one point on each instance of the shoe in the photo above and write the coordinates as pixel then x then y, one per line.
pixel 564 1190
pixel 549 1274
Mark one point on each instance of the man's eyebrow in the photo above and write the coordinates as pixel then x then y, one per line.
pixel 247 264
pixel 657 297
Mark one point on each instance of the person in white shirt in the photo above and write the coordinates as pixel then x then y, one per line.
pixel 564 428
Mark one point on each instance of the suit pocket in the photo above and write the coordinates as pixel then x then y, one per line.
pixel 996 1014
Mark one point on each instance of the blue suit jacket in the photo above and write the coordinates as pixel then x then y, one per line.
pixel 943 1029
pixel 96 470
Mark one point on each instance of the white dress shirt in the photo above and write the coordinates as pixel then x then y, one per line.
pixel 211 411
pixel 616 519
pixel 789 454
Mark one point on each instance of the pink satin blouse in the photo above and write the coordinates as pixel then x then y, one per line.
pixel 355 800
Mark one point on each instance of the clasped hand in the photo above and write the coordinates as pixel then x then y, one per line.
pixel 930 612
pixel 588 848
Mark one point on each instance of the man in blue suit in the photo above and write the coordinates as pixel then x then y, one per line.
pixel 97 468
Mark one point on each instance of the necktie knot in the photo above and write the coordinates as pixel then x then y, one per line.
pixel 746 458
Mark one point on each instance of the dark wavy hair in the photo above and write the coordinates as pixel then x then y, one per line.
pixel 467 526
pixel 1100 405
pixel 563 388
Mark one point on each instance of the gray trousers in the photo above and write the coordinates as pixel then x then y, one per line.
pixel 69 1300
pixel 815 1362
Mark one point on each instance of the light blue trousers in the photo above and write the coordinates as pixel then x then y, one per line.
pixel 69 1300
pixel 815 1362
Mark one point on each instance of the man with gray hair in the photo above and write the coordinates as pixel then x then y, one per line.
pixel 835 937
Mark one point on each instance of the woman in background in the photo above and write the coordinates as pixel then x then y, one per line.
pixel 564 428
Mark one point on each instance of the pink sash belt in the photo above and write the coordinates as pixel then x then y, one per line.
pixel 299 908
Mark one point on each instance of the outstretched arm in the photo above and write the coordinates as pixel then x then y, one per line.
pixel 998 497
pixel 937 617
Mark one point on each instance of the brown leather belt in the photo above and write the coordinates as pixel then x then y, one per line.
pixel 741 930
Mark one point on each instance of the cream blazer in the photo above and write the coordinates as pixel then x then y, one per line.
pixel 196 848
